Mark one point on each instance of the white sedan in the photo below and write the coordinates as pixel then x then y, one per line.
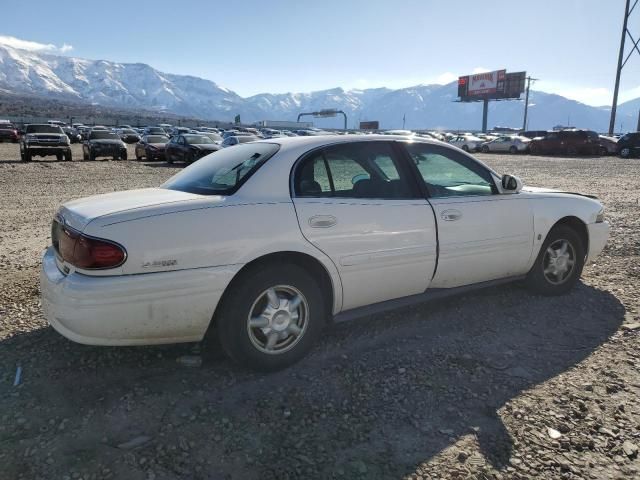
pixel 266 242
pixel 508 143
pixel 468 143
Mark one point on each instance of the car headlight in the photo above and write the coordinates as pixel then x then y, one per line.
pixel 64 139
pixel 600 216
pixel 30 138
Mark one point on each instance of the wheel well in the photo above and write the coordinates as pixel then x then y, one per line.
pixel 579 227
pixel 302 260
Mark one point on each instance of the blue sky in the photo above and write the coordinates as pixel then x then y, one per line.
pixel 298 46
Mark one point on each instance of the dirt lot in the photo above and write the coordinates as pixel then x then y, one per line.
pixel 464 388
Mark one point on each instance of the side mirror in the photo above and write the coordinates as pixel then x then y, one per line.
pixel 511 184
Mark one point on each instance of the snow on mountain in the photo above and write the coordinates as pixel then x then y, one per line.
pixel 141 86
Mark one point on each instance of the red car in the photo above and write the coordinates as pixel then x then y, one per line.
pixel 9 134
pixel 151 147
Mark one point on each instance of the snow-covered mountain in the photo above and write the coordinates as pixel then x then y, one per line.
pixel 140 86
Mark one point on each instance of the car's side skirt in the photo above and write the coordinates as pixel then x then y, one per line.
pixel 428 295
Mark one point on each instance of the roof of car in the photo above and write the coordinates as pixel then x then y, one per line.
pixel 320 140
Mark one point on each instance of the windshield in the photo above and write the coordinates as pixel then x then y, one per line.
pixel 103 135
pixel 197 139
pixel 214 137
pixel 156 139
pixel 222 172
pixel 43 129
pixel 128 131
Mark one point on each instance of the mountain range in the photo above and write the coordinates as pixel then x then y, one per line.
pixel 139 86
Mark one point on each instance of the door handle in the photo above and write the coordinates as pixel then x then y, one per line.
pixel 322 221
pixel 451 215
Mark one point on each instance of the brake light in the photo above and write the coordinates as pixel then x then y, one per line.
pixel 86 252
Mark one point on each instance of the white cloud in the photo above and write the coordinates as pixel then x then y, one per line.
pixel 34 46
pixel 446 77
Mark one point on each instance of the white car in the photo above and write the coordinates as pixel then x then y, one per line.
pixel 468 143
pixel 508 143
pixel 265 242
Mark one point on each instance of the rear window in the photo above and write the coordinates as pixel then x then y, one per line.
pixel 222 172
pixel 156 139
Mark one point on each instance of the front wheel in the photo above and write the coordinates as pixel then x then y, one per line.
pixel 465 148
pixel 270 318
pixel 485 149
pixel 625 152
pixel 513 149
pixel 559 264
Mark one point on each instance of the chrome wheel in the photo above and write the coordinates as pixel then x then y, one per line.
pixel 278 319
pixel 559 261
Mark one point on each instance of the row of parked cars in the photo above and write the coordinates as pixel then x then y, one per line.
pixel 182 144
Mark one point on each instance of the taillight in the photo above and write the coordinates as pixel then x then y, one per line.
pixel 86 252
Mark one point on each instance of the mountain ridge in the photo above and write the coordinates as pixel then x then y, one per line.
pixel 140 86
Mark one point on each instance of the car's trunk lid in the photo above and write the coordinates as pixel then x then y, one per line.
pixel 78 213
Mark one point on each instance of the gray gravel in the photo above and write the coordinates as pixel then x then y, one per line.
pixel 496 384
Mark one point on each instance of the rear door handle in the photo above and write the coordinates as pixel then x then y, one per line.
pixel 451 215
pixel 322 221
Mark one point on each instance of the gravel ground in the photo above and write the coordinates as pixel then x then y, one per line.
pixel 496 384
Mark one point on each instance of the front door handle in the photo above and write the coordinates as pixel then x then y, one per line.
pixel 451 215
pixel 322 221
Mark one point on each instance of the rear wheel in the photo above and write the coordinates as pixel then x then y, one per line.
pixel 27 156
pixel 271 317
pixel 485 149
pixel 465 148
pixel 604 151
pixel 559 264
pixel 59 157
pixel 123 155
pixel 67 156
pixel 513 149
pixel 625 152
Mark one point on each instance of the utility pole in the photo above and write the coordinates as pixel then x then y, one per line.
pixel 526 101
pixel 621 63
pixel 485 113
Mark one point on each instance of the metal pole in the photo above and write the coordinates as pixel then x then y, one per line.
pixel 638 128
pixel 614 105
pixel 526 105
pixel 485 111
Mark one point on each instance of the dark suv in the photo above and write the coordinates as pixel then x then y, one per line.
pixel 566 142
pixel 629 145
pixel 43 140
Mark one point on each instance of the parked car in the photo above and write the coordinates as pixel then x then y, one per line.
pixel 233 140
pixel 154 131
pixel 468 143
pixel 42 140
pixel 508 143
pixel 534 133
pixel 629 145
pixel 213 136
pixel 566 142
pixel 151 147
pixel 266 241
pixel 128 135
pixel 103 143
pixel 73 134
pixel 608 145
pixel 189 148
pixel 9 134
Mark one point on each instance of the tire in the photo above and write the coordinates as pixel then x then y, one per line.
pixel 85 157
pixel 123 156
pixel 485 149
pixel 68 157
pixel 169 159
pixel 465 148
pixel 513 149
pixel 247 296
pixel 138 157
pixel 604 151
pixel 555 282
pixel 92 157
pixel 59 157
pixel 27 156
pixel 189 158
pixel 625 152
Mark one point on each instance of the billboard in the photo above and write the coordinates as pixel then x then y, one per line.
pixel 491 85
pixel 372 125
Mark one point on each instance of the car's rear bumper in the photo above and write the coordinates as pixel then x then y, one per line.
pixel 598 236
pixel 144 309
